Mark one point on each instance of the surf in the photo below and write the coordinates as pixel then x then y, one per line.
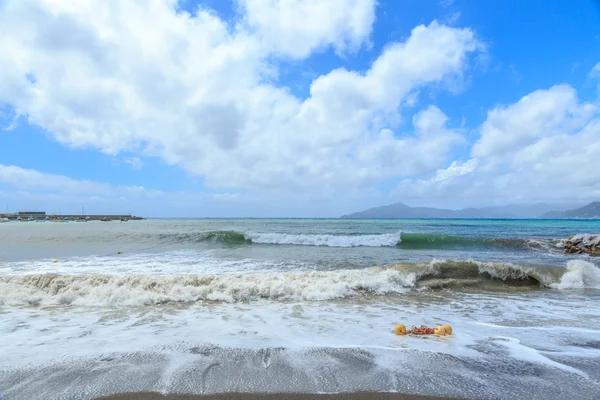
pixel 397 279
pixel 402 240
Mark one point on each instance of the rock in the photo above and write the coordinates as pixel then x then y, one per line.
pixel 583 244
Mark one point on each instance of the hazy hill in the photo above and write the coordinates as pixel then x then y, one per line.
pixel 591 210
pixel 401 210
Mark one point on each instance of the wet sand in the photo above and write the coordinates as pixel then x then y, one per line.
pixel 271 396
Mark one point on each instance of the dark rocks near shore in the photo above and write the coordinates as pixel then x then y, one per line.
pixel 583 244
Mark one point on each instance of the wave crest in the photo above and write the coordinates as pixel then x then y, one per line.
pixel 239 238
pixel 579 275
pixel 47 289
pixel 138 290
pixel 403 240
pixel 223 237
pixel 382 240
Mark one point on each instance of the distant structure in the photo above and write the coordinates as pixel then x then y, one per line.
pixel 42 216
pixel 32 214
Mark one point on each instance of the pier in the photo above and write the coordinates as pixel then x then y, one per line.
pixel 42 216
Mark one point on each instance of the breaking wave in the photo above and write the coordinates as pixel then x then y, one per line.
pixel 239 238
pixel 409 241
pixel 382 240
pixel 139 290
pixel 419 241
pixel 223 237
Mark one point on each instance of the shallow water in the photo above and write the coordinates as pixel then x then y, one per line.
pixel 297 305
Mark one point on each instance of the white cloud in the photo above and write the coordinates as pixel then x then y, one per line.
pixel 455 169
pixel 545 147
pixel 29 179
pixel 144 78
pixel 22 189
pixel 452 19
pixel 135 162
pixel 295 28
pixel 595 74
pixel 540 114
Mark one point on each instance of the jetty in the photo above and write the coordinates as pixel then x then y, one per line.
pixel 42 216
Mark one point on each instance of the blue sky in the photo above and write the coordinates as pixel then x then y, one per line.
pixel 127 151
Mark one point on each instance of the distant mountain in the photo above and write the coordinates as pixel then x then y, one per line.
pixel 401 210
pixel 591 210
pixel 535 210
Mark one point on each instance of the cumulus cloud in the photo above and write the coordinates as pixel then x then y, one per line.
pixel 144 79
pixel 544 147
pixel 194 91
pixel 542 113
pixel 295 28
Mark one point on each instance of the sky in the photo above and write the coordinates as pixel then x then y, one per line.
pixel 296 108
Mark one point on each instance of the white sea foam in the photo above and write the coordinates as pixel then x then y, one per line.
pixel 52 289
pixel 157 288
pixel 580 275
pixel 140 280
pixel 185 262
pixel 519 351
pixel 303 339
pixel 382 240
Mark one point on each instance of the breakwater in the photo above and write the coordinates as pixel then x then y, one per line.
pixel 67 217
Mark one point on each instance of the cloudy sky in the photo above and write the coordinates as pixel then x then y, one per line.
pixel 296 107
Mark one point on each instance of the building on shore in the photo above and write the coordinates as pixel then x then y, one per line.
pixel 32 214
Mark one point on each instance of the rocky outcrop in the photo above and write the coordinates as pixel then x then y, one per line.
pixel 583 244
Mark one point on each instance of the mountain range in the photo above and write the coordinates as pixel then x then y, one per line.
pixel 537 210
pixel 591 210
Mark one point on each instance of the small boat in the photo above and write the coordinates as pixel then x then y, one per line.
pixel 124 220
pixel 68 219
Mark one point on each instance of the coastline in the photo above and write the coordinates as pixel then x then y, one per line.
pixel 272 396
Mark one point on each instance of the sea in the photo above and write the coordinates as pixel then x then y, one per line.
pixel 298 305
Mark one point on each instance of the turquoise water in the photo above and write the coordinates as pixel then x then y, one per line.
pixel 358 243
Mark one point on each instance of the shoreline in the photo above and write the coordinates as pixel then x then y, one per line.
pixel 272 396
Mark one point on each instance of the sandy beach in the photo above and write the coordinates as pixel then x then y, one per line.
pixel 271 396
